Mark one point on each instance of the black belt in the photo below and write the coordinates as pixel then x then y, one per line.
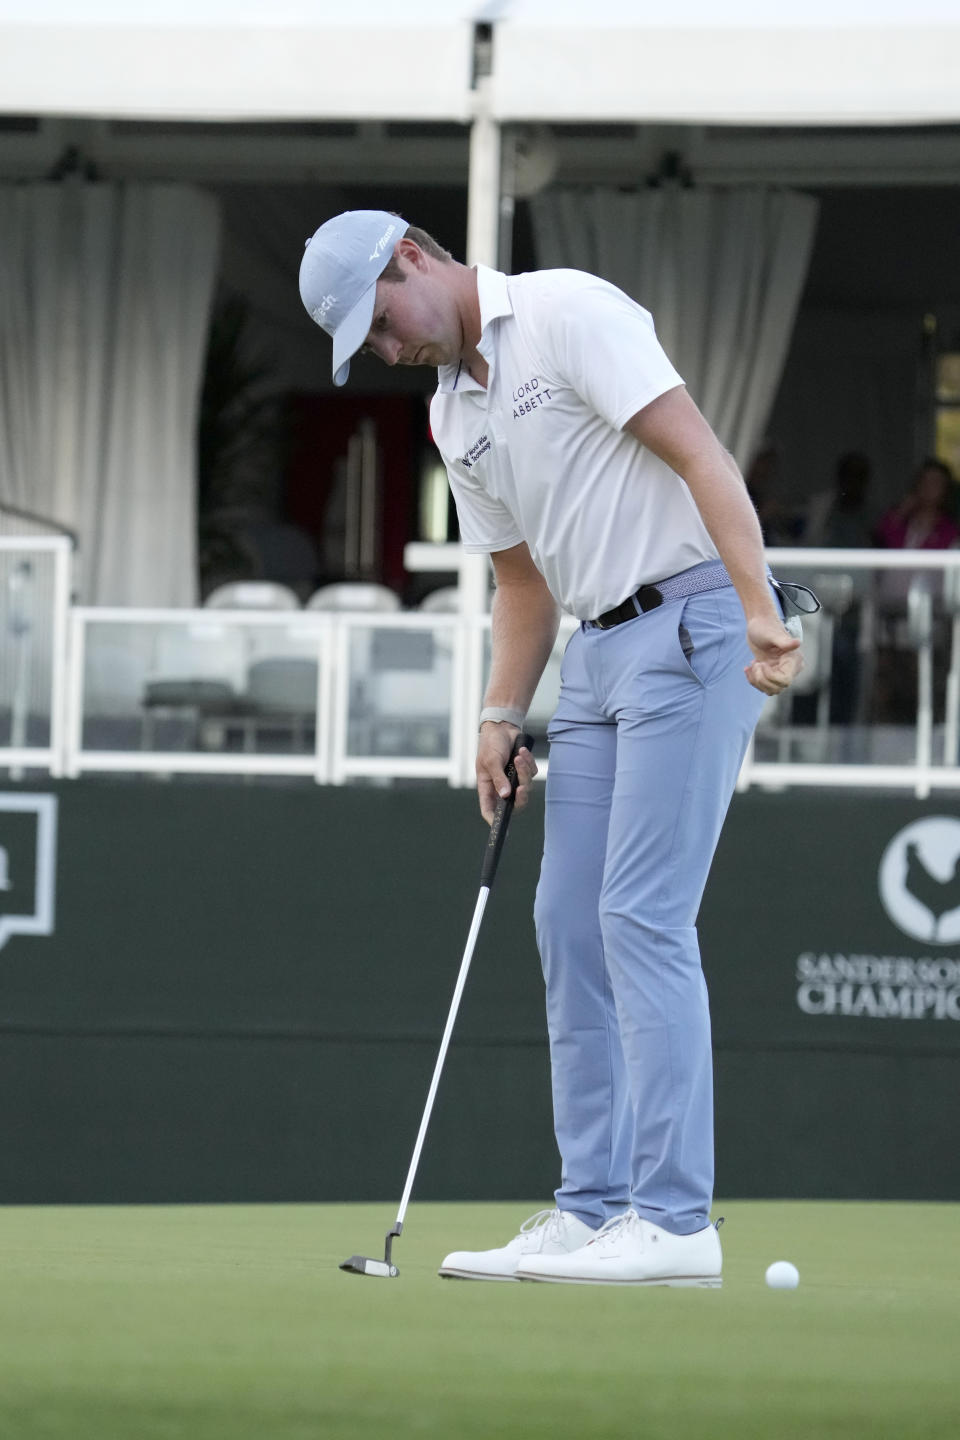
pixel 675 587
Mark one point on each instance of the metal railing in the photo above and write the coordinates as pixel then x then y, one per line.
pixel 341 697
pixel 19 522
pixel 906 605
pixel 35 582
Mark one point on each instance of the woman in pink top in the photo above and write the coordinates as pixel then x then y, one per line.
pixel 924 519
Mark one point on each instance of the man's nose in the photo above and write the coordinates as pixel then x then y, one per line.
pixel 388 349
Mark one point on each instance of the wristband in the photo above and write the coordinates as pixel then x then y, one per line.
pixel 502 714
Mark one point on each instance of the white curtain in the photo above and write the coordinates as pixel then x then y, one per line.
pixel 721 270
pixel 105 296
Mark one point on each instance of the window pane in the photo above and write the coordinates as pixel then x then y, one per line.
pixel 948 379
pixel 948 438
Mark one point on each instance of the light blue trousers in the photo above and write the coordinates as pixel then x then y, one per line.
pixel 645 748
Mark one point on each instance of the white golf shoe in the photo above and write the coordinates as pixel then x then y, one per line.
pixel 631 1251
pixel 549 1232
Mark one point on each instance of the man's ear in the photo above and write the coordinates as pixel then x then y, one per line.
pixel 410 251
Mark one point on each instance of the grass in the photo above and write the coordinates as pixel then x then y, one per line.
pixel 234 1323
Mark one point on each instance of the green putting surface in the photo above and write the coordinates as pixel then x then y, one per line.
pixel 234 1323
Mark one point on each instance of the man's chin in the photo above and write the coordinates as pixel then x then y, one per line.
pixel 432 355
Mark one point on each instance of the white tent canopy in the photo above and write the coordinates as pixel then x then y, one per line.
pixel 237 59
pixel 830 62
pixel 827 62
pixel 840 62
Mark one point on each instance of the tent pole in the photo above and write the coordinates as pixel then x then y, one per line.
pixel 483 193
pixel 483 230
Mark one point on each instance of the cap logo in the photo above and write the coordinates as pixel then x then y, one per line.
pixel 338 274
pixel 323 309
pixel 380 246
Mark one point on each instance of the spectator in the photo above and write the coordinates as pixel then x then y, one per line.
pixel 777 525
pixel 925 519
pixel 838 517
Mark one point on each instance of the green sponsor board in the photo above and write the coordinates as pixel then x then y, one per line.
pixel 831 940
pixel 832 911
pixel 216 991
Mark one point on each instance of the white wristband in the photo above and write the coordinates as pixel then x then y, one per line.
pixel 501 714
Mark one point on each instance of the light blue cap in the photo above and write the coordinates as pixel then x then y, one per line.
pixel 338 277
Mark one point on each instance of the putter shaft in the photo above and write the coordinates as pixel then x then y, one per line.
pixel 362 1264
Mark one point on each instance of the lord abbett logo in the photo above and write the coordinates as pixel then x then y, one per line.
pixel 918 885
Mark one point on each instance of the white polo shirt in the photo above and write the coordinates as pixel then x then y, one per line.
pixel 541 454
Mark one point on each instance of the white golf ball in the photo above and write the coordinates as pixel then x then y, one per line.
pixel 781 1275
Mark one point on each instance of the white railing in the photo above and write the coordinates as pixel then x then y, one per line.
pixel 374 695
pixel 35 580
pixel 929 597
pixel 124 676
pixel 341 697
pixel 17 522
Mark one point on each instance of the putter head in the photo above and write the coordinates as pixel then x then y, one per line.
pixel 363 1265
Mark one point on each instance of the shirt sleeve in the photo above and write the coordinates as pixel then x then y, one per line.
pixel 604 345
pixel 486 525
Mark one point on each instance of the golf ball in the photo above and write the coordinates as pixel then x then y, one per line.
pixel 781 1275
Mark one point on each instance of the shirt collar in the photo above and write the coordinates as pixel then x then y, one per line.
pixel 494 296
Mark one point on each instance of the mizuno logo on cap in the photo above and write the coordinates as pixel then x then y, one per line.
pixel 380 246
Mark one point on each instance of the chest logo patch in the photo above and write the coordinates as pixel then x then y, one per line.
pixel 479 448
pixel 529 396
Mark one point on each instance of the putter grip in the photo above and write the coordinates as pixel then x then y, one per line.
pixel 501 816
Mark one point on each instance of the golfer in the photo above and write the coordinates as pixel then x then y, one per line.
pixel 580 464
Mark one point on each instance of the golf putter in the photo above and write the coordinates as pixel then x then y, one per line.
pixel 363 1264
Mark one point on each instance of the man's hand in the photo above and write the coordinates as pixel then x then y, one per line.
pixel 778 657
pixel 493 752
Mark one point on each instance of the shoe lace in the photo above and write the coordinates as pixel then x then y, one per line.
pixel 627 1221
pixel 540 1221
